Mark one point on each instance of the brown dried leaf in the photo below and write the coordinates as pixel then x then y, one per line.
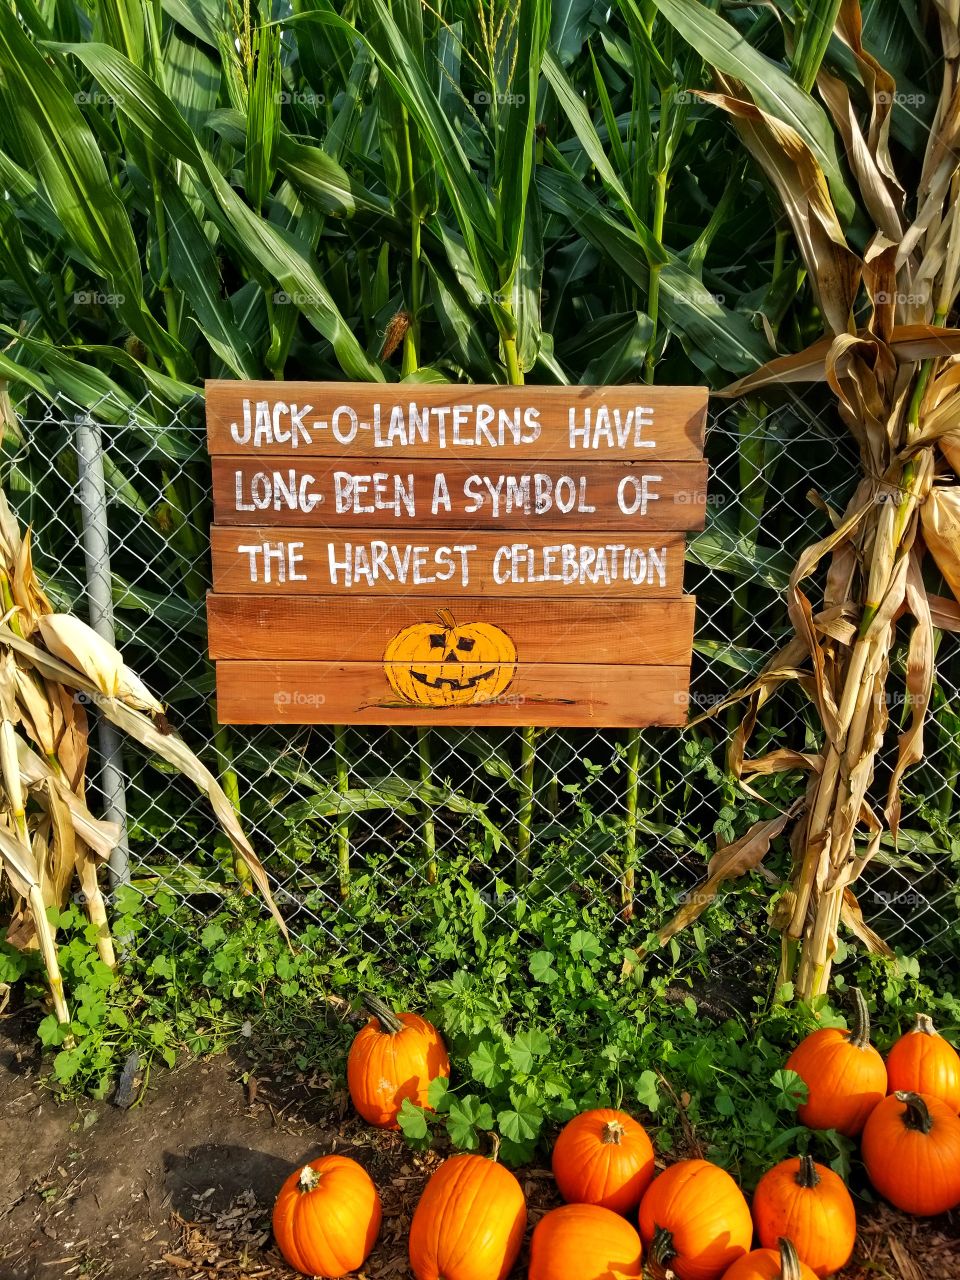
pixel 852 917
pixel 940 518
pixel 795 172
pixel 729 863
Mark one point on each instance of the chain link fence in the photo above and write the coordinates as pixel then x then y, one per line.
pixel 412 809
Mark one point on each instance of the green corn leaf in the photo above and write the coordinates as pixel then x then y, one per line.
pixel 193 270
pixel 263 116
pixel 64 151
pixel 139 99
pixel 202 18
pixel 515 134
pixel 191 78
pixel 470 201
pixel 722 46
pixel 527 281
pixel 278 252
pixel 570 26
pixel 714 337
pixel 576 111
pixel 68 379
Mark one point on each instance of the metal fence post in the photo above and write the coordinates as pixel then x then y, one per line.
pixel 92 496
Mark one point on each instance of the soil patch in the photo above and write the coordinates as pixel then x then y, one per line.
pixel 181 1184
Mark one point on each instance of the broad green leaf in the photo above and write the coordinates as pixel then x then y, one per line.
pixel 466 1119
pixel 412 1121
pixel 191 78
pixel 193 270
pixel 714 337
pixel 139 98
pixel 569 28
pixel 647 1091
pixel 722 46
pixel 521 1123
pixel 486 1064
pixel 516 121
pixel 525 1048
pixel 541 967
pixel 202 18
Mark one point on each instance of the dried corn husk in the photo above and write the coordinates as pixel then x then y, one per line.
pixel 49 839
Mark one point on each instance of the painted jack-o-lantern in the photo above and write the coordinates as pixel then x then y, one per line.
pixel 449 665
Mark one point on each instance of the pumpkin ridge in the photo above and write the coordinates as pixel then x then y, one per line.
pixel 474 1185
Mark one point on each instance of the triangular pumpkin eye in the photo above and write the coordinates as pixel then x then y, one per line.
pixel 466 644
pixel 437 640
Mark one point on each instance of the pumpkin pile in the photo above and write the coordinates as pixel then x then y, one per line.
pixel 692 1220
pixel 903 1109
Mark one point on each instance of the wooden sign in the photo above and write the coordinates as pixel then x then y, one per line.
pixel 462 555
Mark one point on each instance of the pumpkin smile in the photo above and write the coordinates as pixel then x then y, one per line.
pixel 438 682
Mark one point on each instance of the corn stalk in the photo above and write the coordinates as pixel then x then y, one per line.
pixel 52 666
pixel 892 367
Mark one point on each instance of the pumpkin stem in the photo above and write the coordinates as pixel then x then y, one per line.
pixel 613 1133
pixel 807 1176
pixel 383 1013
pixel 925 1025
pixel 789 1261
pixel 917 1115
pixel 662 1250
pixel 860 1031
pixel 309 1179
pixel 447 618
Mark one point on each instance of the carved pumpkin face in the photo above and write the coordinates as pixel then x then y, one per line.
pixel 448 665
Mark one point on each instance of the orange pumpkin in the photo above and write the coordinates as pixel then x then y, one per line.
pixel 809 1204
pixel 327 1217
pixel 844 1074
pixel 603 1157
pixel 911 1151
pixel 469 1223
pixel 782 1263
pixel 395 1056
pixel 923 1062
pixel 695 1221
pixel 584 1242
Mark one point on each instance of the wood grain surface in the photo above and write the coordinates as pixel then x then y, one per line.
pixel 654 633
pixel 629 497
pixel 268 561
pixel 547 694
pixel 307 421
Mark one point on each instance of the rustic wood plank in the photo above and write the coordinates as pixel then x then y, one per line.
pixel 548 694
pixel 654 633
pixel 671 420
pixel 621 496
pixel 266 561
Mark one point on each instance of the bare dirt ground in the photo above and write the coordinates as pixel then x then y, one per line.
pixel 181 1184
